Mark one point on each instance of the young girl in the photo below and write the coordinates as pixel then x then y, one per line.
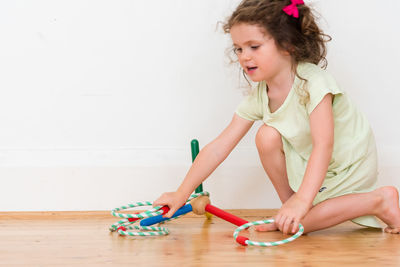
pixel 317 149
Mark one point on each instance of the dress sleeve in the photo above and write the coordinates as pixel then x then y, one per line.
pixel 319 86
pixel 251 107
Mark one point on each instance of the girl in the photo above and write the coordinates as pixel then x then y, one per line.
pixel 317 149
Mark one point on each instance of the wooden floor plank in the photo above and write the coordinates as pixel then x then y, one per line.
pixel 83 239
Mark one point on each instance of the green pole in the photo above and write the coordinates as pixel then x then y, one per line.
pixel 195 150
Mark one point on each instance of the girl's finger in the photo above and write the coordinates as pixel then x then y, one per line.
pixel 286 225
pixel 295 226
pixel 277 218
pixel 281 222
pixel 156 203
pixel 170 213
pixel 159 201
pixel 162 200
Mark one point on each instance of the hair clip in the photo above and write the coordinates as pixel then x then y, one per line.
pixel 291 9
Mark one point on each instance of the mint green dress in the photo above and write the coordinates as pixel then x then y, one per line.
pixel 353 167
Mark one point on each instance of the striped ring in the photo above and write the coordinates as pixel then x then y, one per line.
pixel 123 225
pixel 245 241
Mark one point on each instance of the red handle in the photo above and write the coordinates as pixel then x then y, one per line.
pixel 165 210
pixel 225 215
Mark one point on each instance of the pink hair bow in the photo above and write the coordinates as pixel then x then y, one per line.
pixel 291 9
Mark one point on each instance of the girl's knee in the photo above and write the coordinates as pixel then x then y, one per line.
pixel 268 137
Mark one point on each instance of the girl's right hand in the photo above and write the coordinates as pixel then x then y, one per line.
pixel 173 200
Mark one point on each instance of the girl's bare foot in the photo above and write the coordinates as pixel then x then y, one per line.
pixel 389 211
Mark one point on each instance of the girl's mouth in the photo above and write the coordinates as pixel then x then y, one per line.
pixel 251 69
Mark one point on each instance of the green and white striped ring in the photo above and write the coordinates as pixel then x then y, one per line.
pixel 155 230
pixel 245 241
pixel 123 225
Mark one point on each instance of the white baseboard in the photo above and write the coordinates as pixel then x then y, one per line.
pixel 64 180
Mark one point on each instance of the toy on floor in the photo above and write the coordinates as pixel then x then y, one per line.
pixel 199 203
pixel 128 219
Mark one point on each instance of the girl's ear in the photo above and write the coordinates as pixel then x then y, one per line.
pixel 288 50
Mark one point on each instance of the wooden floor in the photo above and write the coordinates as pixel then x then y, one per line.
pixel 83 239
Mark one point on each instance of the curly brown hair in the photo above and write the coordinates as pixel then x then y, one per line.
pixel 301 36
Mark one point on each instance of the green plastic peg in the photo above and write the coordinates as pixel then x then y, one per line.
pixel 195 150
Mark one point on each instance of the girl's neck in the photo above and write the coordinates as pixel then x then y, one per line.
pixel 283 80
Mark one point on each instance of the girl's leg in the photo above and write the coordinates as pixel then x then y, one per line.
pixel 270 150
pixel 382 202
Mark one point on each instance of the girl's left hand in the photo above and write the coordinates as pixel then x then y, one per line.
pixel 290 214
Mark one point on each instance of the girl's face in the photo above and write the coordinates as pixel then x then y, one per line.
pixel 257 52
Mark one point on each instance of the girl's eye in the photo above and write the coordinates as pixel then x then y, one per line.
pixel 254 47
pixel 237 50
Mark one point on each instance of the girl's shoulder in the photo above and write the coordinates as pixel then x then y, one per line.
pixel 252 106
pixel 313 72
pixel 319 82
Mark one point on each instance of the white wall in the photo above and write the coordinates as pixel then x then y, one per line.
pixel 99 99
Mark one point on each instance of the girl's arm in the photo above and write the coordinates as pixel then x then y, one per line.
pixel 322 133
pixel 209 158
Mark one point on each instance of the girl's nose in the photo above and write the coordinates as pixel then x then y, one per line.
pixel 245 55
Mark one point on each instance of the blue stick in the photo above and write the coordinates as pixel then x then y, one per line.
pixel 159 218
